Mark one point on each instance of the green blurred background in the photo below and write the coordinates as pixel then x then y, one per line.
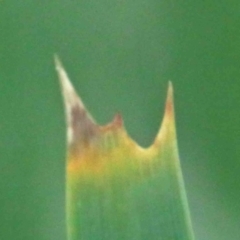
pixel 120 55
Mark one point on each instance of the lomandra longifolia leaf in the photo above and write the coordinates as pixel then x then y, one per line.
pixel 117 190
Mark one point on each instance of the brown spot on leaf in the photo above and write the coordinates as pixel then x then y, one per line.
pixel 83 128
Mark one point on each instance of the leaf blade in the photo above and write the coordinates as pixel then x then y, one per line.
pixel 116 189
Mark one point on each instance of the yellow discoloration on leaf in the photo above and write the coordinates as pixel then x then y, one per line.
pixel 109 172
pixel 92 147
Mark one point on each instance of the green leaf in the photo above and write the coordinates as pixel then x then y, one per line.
pixel 116 189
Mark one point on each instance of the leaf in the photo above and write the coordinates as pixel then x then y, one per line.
pixel 116 189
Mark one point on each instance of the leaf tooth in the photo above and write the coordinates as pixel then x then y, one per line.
pixel 115 124
pixel 117 120
pixel 81 128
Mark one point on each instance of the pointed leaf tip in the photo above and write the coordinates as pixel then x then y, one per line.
pixel 68 91
pixel 169 108
pixel 168 123
pixel 80 126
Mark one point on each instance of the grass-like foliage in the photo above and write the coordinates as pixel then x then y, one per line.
pixel 117 190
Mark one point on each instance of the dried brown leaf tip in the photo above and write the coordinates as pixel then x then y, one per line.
pixel 81 128
pixel 84 134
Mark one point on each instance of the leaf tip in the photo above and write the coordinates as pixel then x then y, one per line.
pixel 168 122
pixel 169 108
pixel 80 126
